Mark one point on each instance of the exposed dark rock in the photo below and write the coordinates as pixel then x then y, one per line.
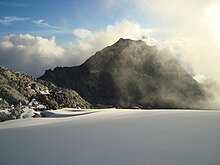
pixel 60 97
pixel 12 95
pixel 17 88
pixel 4 117
pixel 13 113
pixel 131 74
pixel 3 104
pixel 36 115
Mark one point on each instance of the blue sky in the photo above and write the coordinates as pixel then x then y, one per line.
pixel 63 17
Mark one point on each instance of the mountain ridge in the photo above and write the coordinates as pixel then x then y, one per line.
pixel 130 74
pixel 18 88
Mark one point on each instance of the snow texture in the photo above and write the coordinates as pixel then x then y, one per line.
pixel 200 78
pixel 113 137
pixel 28 113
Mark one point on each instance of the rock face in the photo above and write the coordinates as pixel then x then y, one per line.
pixel 130 74
pixel 17 88
pixel 3 104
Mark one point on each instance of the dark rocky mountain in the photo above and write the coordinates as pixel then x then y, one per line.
pixel 17 88
pixel 130 74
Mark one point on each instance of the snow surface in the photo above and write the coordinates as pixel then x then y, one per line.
pixel 45 92
pixel 28 113
pixel 6 111
pixel 200 78
pixel 113 137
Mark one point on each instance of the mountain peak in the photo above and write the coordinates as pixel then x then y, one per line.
pixel 130 74
pixel 129 41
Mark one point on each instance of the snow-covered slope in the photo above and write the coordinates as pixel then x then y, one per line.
pixel 113 137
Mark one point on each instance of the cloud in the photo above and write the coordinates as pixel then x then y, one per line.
pixel 12 19
pixel 34 54
pixel 99 39
pixel 197 21
pixel 42 23
pixel 82 33
pixel 29 54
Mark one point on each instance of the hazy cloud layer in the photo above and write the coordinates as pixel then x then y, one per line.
pixel 198 22
pixel 42 23
pixel 12 19
pixel 33 54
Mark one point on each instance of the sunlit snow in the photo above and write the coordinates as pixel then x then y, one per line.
pixel 113 137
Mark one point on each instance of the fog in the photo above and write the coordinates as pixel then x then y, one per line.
pixel 192 34
pixel 198 23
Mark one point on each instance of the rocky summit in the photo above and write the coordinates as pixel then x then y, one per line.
pixel 19 89
pixel 131 74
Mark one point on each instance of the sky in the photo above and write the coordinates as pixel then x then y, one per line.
pixel 58 18
pixel 43 34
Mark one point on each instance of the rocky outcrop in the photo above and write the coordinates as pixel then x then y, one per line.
pixel 17 88
pixel 3 104
pixel 59 98
pixel 131 74
pixel 12 95
pixel 11 114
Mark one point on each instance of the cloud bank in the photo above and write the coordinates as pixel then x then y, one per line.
pixel 28 53
pixel 34 54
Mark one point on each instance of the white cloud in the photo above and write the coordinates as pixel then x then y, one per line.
pixel 33 54
pixel 94 41
pixel 42 23
pixel 82 33
pixel 10 20
pixel 29 54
